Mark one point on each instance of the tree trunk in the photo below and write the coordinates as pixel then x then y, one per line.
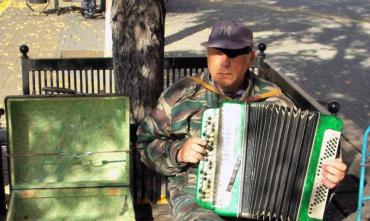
pixel 138 50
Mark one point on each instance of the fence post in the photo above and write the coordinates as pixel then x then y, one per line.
pixel 25 77
pixel 260 59
pixel 3 141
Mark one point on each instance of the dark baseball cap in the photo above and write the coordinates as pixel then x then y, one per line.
pixel 229 35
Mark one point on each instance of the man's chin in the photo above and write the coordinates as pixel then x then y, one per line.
pixel 226 87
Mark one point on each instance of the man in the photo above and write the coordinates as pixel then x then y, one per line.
pixel 168 139
pixel 88 8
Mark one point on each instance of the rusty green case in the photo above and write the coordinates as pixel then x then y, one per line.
pixel 69 158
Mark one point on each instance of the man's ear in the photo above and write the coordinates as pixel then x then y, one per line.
pixel 252 55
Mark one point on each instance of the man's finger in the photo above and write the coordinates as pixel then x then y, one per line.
pixel 332 169
pixel 197 148
pixel 199 141
pixel 198 155
pixel 333 178
pixel 328 184
pixel 339 165
pixel 195 157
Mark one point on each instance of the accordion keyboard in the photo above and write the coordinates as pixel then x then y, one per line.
pixel 206 187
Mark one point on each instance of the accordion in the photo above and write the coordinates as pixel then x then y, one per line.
pixel 263 161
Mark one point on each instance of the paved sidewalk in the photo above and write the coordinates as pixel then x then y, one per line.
pixel 51 36
pixel 322 45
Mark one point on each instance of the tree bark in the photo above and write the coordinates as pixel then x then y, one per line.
pixel 138 56
pixel 138 51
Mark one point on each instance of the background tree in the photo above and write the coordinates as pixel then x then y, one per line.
pixel 138 56
pixel 138 51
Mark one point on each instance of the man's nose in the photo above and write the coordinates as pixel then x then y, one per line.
pixel 225 60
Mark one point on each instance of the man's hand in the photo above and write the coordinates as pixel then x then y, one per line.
pixel 333 173
pixel 192 151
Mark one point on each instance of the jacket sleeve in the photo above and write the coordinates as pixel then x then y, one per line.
pixel 157 143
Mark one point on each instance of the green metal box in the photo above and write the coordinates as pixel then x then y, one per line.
pixel 69 158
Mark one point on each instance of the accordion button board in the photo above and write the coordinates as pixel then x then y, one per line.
pixel 264 161
pixel 208 169
pixel 327 154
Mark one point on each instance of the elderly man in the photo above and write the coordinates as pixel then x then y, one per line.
pixel 169 138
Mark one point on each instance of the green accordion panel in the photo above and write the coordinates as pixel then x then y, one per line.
pixel 212 192
pixel 70 141
pixel 80 204
pixel 312 206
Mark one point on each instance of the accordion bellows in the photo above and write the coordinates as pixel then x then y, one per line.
pixel 263 161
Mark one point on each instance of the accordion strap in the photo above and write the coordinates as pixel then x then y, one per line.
pixel 209 87
pixel 272 93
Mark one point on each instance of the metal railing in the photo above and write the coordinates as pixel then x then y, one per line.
pixel 96 75
pixel 91 75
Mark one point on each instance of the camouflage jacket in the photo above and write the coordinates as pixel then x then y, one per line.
pixel 178 116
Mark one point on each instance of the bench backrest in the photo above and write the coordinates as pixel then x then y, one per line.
pixel 96 75
pixel 93 75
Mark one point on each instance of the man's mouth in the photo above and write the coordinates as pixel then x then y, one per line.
pixel 224 75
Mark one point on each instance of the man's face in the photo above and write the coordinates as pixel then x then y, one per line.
pixel 228 71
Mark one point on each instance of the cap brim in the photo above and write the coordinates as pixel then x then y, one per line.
pixel 226 44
